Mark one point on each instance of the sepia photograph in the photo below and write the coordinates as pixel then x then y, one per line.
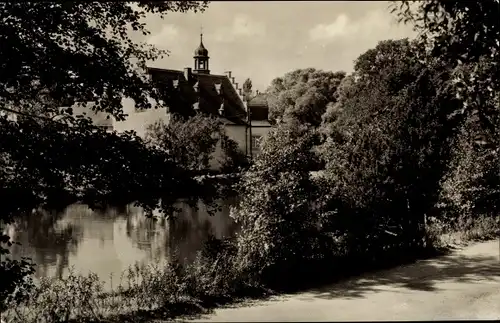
pixel 249 161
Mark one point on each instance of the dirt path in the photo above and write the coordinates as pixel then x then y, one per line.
pixel 462 285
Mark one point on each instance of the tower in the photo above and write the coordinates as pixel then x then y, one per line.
pixel 201 58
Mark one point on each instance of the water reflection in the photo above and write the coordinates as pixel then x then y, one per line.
pixel 108 241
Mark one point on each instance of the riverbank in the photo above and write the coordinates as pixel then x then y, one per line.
pixel 170 290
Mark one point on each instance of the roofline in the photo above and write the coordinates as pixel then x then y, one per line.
pixel 241 103
pixel 232 87
pixel 162 69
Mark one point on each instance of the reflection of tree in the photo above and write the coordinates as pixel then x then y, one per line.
pixel 191 228
pixel 146 234
pixel 45 240
pixel 187 237
pixel 48 237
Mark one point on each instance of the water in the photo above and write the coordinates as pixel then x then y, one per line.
pixel 108 242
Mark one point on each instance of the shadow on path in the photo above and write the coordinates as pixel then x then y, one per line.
pixel 424 275
pixel 421 276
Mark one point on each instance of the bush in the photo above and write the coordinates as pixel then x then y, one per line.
pixel 387 147
pixel 168 289
pixel 279 234
pixel 16 282
pixel 193 141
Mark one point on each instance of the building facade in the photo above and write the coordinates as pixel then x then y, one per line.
pixel 260 127
pixel 193 90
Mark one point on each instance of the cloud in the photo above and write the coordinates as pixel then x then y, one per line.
pixel 336 29
pixel 168 34
pixel 375 22
pixel 242 26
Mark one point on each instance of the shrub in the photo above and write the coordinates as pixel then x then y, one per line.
pixel 279 228
pixel 387 147
pixel 193 141
pixel 16 282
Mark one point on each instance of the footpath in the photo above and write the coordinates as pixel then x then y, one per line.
pixel 464 284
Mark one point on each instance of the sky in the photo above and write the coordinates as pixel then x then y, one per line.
pixel 262 40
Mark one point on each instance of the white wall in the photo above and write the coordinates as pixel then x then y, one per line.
pixel 237 133
pixel 262 129
pixel 139 121
pixel 234 132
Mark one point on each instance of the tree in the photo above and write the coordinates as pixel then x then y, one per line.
pixel 56 54
pixel 192 142
pixel 465 34
pixel 472 186
pixel 78 51
pixel 303 94
pixel 386 146
pixel 460 31
pixel 279 236
pixel 247 89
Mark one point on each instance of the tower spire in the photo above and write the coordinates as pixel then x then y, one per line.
pixel 201 57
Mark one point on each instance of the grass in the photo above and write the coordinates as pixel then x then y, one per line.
pixel 162 291
pixel 140 294
pixel 464 231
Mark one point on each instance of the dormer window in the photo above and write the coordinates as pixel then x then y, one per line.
pixel 175 84
pixel 196 106
pixel 218 88
pixel 196 87
pixel 221 109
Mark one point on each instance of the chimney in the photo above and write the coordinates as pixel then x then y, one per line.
pixel 232 80
pixel 188 74
pixel 228 74
pixel 239 92
pixel 257 92
pixel 236 86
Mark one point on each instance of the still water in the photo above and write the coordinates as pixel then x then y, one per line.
pixel 108 242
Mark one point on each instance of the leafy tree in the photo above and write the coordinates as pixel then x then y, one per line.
pixel 193 141
pixel 472 187
pixel 279 235
pixel 303 95
pixel 386 146
pixel 466 35
pixel 233 159
pixel 79 51
pixel 56 54
pixel 247 88
pixel 460 31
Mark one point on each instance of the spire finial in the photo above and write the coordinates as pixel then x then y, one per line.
pixel 201 33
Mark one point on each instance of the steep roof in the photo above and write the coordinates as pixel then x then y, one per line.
pixel 258 106
pixel 258 100
pixel 207 91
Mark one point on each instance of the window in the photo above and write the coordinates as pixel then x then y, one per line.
pixel 202 65
pixel 256 140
